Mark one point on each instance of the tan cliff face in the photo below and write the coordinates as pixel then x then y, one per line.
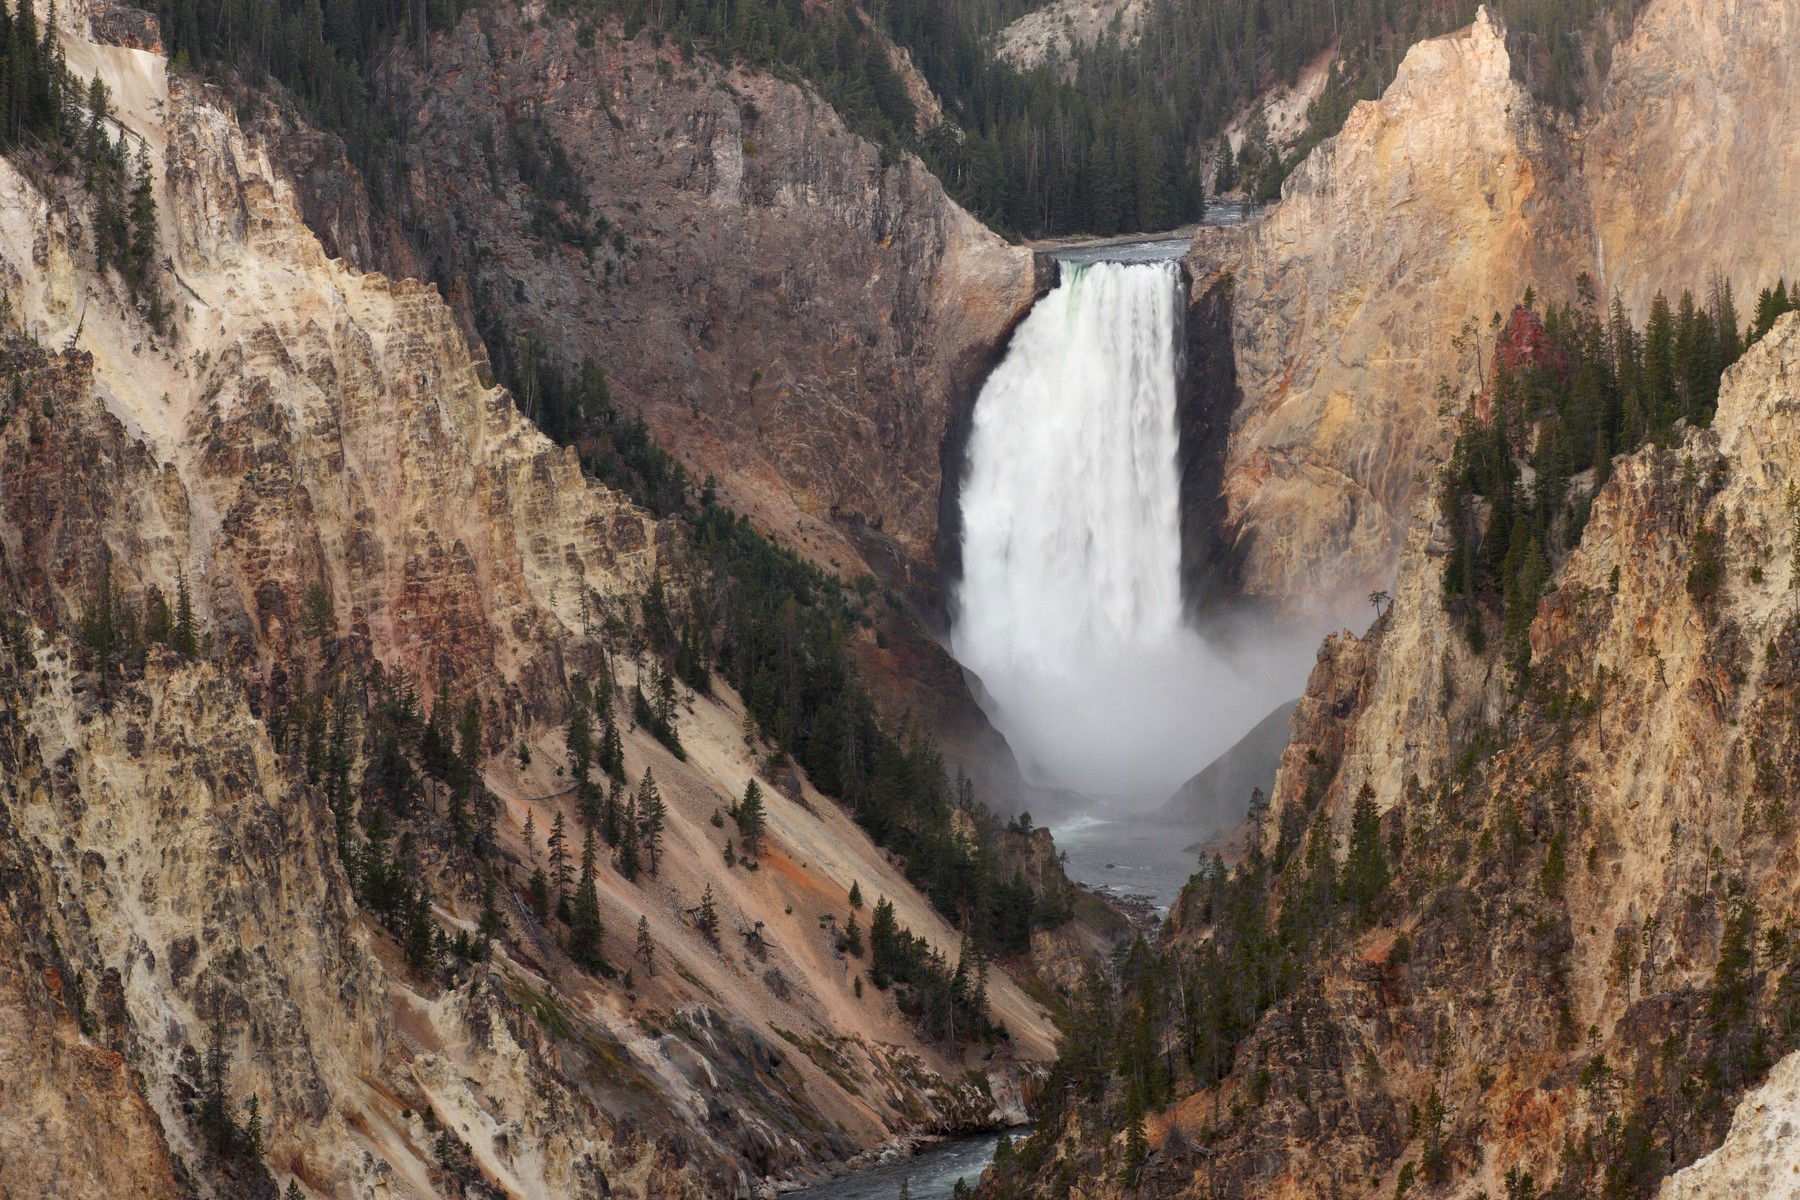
pixel 1437 206
pixel 1432 203
pixel 1678 777
pixel 305 427
pixel 1691 161
pixel 790 310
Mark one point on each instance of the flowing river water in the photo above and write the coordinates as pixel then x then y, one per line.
pixel 928 1175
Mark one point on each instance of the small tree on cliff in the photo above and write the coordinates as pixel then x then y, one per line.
pixel 707 918
pixel 646 949
pixel 559 864
pixel 629 844
pixel 183 639
pixel 585 930
pixel 1365 868
pixel 751 819
pixel 652 816
pixel 580 739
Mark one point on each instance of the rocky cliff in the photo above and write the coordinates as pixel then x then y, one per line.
pixel 793 311
pixel 310 456
pixel 1585 962
pixel 1058 32
pixel 1356 297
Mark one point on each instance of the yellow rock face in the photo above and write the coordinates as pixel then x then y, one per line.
pixel 1434 209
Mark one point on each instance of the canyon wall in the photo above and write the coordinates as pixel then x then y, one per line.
pixel 1363 298
pixel 311 454
pixel 793 310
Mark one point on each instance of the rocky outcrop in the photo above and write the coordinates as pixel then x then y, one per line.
pixel 1434 208
pixel 1059 31
pixel 1757 1158
pixel 1283 109
pixel 792 310
pixel 78 1123
pixel 438 523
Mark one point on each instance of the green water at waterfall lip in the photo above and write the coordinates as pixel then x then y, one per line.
pixel 930 1174
pixel 1157 248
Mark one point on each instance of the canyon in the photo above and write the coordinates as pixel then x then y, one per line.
pixel 310 457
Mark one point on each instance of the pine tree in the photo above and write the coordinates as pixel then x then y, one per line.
pixel 316 619
pixel 468 738
pixel 580 740
pixel 140 253
pixel 293 1192
pixel 585 931
pixel 612 813
pixel 652 816
pixel 884 934
pixel 1660 403
pixel 100 628
pixel 646 949
pixel 751 819
pixel 612 749
pixel 856 897
pixel 182 637
pixel 707 919
pixel 630 843
pixel 1137 1145
pixel 420 932
pixel 1365 867
pixel 664 683
pixel 559 859
pixel 253 1129
pixel 853 938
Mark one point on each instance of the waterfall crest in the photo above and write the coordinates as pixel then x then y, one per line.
pixel 1070 609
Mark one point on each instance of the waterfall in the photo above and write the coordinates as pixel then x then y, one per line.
pixel 1070 610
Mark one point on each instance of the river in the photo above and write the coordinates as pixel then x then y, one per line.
pixel 1129 856
pixel 928 1175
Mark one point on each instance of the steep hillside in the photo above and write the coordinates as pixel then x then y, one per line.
pixel 792 311
pixel 1362 301
pixel 1509 931
pixel 271 911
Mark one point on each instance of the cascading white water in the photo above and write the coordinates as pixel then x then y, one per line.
pixel 1070 609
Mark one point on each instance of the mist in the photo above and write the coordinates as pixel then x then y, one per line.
pixel 1070 612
